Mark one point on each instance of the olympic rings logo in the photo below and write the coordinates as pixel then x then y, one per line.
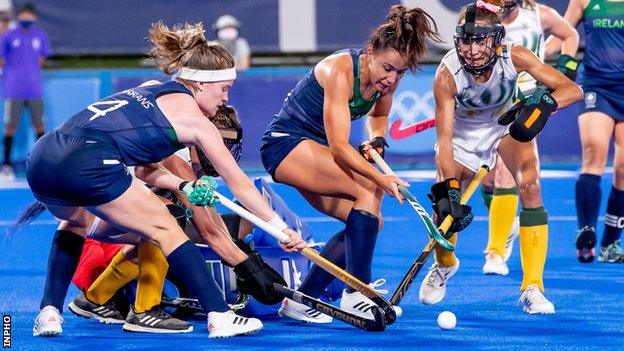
pixel 420 106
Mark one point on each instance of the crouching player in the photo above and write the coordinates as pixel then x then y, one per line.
pixel 253 275
pixel 474 84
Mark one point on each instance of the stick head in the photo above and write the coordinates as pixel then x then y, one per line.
pixel 379 323
pixel 386 307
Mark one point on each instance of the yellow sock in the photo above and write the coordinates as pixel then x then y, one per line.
pixel 533 246
pixel 152 271
pixel 444 257
pixel 502 214
pixel 120 271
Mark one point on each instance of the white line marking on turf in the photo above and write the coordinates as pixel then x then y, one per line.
pixel 414 176
pixel 329 219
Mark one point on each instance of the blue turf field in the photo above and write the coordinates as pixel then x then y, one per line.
pixel 588 298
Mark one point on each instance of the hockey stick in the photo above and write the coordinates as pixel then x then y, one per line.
pixel 377 324
pixel 422 213
pixel 314 256
pixel 192 306
pixel 398 132
pixel 417 265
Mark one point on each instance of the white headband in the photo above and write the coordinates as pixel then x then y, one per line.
pixel 206 75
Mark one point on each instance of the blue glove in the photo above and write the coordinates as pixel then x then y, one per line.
pixel 201 191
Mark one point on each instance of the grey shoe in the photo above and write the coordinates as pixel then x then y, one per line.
pixel 155 320
pixel 612 253
pixel 107 313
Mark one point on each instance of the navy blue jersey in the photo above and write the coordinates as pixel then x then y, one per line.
pixel 305 102
pixel 132 120
pixel 604 40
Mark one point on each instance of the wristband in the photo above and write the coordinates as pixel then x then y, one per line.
pixel 277 222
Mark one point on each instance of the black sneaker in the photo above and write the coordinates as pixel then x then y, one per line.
pixel 107 313
pixel 155 320
pixel 585 242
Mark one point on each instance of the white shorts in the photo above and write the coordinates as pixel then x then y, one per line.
pixel 475 142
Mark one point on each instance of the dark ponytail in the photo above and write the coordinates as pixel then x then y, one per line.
pixel 405 31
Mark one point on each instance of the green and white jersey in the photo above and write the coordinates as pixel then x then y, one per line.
pixel 526 30
pixel 476 132
pixel 483 102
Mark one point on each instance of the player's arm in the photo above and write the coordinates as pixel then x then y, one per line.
pixel 558 27
pixel 155 175
pixel 377 125
pixel 208 223
pixel 444 91
pixel 377 121
pixel 563 90
pixel 192 127
pixel 533 113
pixel 573 16
pixel 336 83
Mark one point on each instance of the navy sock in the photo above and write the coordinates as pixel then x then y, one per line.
pixel 8 145
pixel 188 264
pixel 360 237
pixel 588 197
pixel 318 279
pixel 614 218
pixel 62 263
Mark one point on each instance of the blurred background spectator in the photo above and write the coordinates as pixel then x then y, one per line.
pixel 5 20
pixel 227 28
pixel 23 51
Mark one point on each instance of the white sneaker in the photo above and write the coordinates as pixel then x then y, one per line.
pixel 361 305
pixel 513 234
pixel 535 302
pixel 48 322
pixel 228 324
pixel 495 264
pixel 6 173
pixel 298 311
pixel 433 287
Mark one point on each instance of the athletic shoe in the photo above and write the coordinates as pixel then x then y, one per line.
pixel 6 173
pixel 535 302
pixel 585 242
pixel 495 264
pixel 359 305
pixel 433 287
pixel 106 313
pixel 48 322
pixel 155 320
pixel 612 253
pixel 228 324
pixel 513 234
pixel 376 285
pixel 298 311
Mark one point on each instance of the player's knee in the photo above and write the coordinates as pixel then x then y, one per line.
pixel 488 183
pixel 594 158
pixel 530 191
pixel 618 176
pixel 166 232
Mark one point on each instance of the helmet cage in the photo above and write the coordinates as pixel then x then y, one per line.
pixel 471 32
